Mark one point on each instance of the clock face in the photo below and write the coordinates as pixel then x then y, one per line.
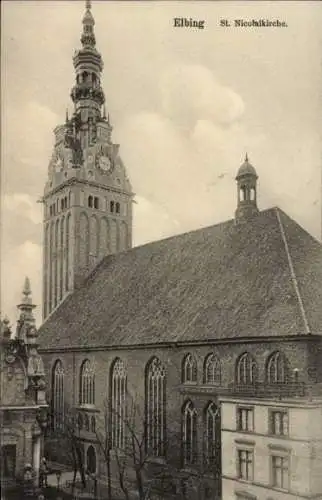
pixel 105 163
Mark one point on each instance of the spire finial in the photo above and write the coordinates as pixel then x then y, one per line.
pixel 104 112
pixel 26 287
pixel 246 157
pixel 88 4
pixel 67 117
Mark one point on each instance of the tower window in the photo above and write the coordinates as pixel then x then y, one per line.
pixel 112 206
pixel 90 201
pixel 252 194
pixel 65 201
pixel 96 202
pixel 62 204
pixel 117 207
pixel 243 196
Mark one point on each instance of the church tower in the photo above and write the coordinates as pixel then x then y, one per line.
pixel 88 196
pixel 246 192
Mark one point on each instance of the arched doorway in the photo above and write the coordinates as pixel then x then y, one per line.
pixel 91 460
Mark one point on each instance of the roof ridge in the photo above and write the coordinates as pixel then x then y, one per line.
pixel 292 271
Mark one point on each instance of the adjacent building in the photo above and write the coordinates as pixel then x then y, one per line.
pixel 213 335
pixel 23 407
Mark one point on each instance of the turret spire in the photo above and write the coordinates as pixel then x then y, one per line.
pixel 26 307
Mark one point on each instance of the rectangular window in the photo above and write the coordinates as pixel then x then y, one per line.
pixel 280 471
pixel 279 423
pixel 245 464
pixel 245 419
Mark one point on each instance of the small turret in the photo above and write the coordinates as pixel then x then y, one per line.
pixel 246 192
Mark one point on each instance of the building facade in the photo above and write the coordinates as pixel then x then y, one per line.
pixel 23 407
pixel 208 338
pixel 275 447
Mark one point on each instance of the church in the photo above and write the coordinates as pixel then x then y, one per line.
pixel 213 336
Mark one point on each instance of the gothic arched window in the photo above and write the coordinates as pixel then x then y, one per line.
pixel 189 433
pixel 58 395
pixel 87 384
pixel 118 403
pixel 212 434
pixel 276 368
pixel 155 407
pixel 189 369
pixel 246 370
pixel 212 370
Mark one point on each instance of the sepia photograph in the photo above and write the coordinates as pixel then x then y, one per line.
pixel 161 250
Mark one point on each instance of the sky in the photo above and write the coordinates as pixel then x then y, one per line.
pixel 186 105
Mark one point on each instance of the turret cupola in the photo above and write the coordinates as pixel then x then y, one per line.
pixel 246 191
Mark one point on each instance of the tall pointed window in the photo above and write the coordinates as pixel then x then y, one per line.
pixel 189 433
pixel 156 407
pixel 58 395
pixel 189 369
pixel 246 370
pixel 118 404
pixel 212 434
pixel 276 370
pixel 87 384
pixel 212 370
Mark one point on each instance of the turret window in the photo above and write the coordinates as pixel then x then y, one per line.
pixel 96 202
pixel 112 206
pixel 90 201
pixel 117 207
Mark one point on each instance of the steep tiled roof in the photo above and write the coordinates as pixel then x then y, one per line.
pixel 256 279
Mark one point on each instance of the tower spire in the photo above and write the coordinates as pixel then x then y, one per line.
pixel 88 36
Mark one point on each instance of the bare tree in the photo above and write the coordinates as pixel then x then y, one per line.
pixel 132 465
pixel 64 432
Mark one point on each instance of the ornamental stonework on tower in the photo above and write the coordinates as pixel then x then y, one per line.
pixel 88 196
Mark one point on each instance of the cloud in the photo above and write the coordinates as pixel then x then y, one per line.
pixel 33 148
pixel 191 92
pixel 22 204
pixel 188 153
